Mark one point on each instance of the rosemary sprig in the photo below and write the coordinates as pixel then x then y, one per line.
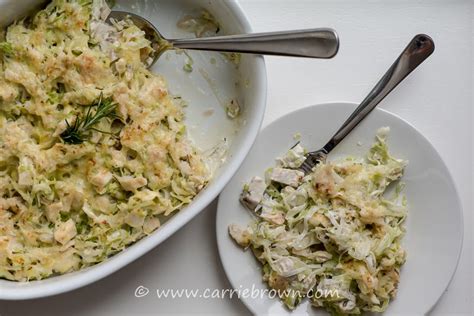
pixel 77 132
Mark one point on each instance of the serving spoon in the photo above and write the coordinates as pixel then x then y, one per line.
pixel 419 48
pixel 313 43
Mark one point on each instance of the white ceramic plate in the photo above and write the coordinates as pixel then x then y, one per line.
pixel 434 225
pixel 207 89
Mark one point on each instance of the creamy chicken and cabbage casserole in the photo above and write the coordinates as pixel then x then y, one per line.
pixel 94 153
pixel 332 236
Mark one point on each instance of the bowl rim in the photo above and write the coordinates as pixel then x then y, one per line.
pixel 221 247
pixel 77 279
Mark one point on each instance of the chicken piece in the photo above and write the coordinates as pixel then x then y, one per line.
pixel 14 204
pixel 151 223
pixel 254 193
pixel 367 282
pixel 100 178
pixel 130 183
pixel 272 216
pixel 66 262
pixel 46 238
pixel 277 282
pixel 293 158
pixel 65 232
pixel 324 180
pixel 19 73
pixel 241 236
pixel 287 176
pixel 8 92
pixel 153 90
pixel 52 211
pixel 371 213
pixel 135 219
pixel 286 266
pixel 26 173
pixel 104 204
pixel 118 158
pixel 319 219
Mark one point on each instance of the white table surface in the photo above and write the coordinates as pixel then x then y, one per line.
pixel 436 99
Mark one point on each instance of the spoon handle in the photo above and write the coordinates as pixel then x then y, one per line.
pixel 315 43
pixel 420 47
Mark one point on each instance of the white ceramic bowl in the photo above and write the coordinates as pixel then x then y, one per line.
pixel 434 224
pixel 206 89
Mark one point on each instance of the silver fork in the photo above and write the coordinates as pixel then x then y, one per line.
pixel 419 48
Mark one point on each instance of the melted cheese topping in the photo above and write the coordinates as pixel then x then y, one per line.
pixel 63 206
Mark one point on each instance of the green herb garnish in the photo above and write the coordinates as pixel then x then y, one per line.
pixel 77 132
pixel 7 49
pixel 188 66
pixel 64 216
pixel 76 52
pixel 82 225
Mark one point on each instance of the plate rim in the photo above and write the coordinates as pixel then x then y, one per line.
pixel 219 240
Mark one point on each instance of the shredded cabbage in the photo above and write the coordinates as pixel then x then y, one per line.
pixel 337 230
pixel 64 207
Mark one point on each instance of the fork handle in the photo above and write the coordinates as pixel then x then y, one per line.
pixel 315 43
pixel 420 47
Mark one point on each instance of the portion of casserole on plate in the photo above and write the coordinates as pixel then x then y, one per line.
pixel 333 236
pixel 93 149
